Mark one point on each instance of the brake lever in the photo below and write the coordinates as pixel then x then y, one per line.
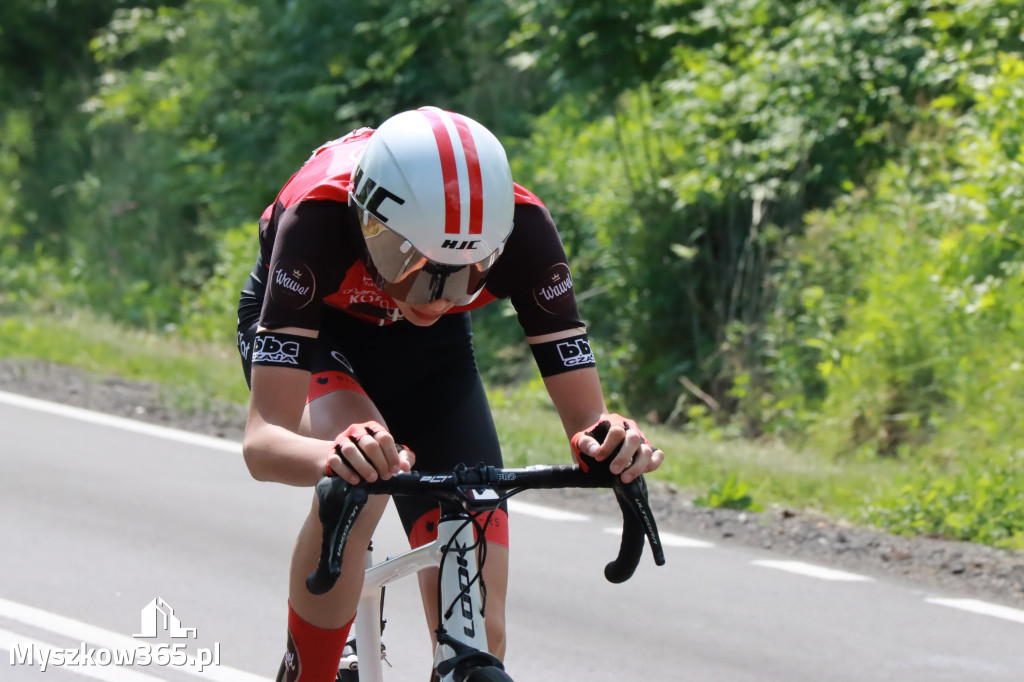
pixel 635 493
pixel 340 504
pixel 637 522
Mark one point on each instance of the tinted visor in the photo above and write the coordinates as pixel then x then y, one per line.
pixel 407 275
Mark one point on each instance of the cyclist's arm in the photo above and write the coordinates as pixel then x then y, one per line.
pixel 576 395
pixel 534 273
pixel 307 247
pixel 272 448
pixel 579 400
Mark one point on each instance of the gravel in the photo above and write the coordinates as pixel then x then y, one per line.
pixel 936 565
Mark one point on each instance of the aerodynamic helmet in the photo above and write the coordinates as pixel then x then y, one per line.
pixel 434 195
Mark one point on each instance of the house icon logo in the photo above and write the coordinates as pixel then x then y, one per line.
pixel 159 615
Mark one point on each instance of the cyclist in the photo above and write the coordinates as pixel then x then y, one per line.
pixel 355 336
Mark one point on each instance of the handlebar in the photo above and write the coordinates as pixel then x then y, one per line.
pixel 478 489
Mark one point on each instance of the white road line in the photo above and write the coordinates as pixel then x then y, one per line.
pixel 982 607
pixel 18 645
pixel 83 632
pixel 546 513
pixel 670 540
pixel 133 425
pixel 812 571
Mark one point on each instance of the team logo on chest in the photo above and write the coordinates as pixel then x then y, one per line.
pixel 358 295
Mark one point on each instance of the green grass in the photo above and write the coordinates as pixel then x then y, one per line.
pixel 531 433
pixel 775 473
pixel 192 373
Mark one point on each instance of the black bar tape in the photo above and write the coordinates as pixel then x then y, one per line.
pixel 282 350
pixel 563 355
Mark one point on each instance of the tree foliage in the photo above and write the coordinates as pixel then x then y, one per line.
pixel 796 218
pixel 749 189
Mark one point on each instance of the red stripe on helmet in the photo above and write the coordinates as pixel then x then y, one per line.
pixel 476 181
pixel 449 173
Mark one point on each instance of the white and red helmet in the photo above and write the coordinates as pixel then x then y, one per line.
pixel 435 199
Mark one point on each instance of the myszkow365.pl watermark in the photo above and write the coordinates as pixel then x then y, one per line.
pixel 157 616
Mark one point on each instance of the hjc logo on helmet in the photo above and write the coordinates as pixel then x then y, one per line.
pixel 371 195
pixel 456 244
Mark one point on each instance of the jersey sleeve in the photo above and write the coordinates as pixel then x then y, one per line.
pixel 311 251
pixel 533 272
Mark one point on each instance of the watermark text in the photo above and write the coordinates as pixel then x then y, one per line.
pixel 164 655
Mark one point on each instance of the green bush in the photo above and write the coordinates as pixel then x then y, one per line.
pixel 210 314
pixel 732 494
pixel 981 505
pixel 911 296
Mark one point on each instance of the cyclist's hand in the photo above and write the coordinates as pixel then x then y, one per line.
pixel 617 445
pixel 364 452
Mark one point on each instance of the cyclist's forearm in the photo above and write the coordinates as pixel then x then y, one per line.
pixel 577 397
pixel 272 446
pixel 273 453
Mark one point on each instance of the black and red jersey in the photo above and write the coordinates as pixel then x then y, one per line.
pixel 311 255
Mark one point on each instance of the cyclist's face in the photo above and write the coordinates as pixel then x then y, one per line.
pixel 404 273
pixel 426 314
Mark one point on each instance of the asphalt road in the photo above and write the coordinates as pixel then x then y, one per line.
pixel 97 521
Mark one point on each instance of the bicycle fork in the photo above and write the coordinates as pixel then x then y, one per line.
pixel 461 629
pixel 461 634
pixel 461 653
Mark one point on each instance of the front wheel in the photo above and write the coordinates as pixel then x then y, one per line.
pixel 488 674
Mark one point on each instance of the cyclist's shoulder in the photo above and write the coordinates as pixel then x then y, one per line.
pixel 532 228
pixel 357 136
pixel 525 197
pixel 533 257
pixel 325 220
pixel 327 173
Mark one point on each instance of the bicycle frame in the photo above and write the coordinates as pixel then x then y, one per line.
pixel 458 582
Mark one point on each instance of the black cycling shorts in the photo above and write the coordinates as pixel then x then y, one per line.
pixel 424 381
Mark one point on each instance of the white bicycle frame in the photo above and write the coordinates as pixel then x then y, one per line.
pixel 458 582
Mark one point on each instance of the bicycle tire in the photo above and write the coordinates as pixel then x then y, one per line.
pixel 348 674
pixel 489 674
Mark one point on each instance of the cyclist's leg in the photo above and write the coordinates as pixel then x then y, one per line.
pixel 425 383
pixel 496 576
pixel 451 423
pixel 324 418
pixel 421 521
pixel 318 625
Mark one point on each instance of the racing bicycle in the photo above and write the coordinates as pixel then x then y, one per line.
pixel 466 496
